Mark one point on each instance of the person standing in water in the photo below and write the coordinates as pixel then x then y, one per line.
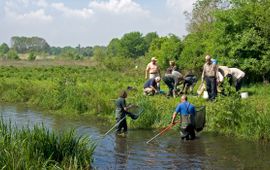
pixel 187 118
pixel 121 112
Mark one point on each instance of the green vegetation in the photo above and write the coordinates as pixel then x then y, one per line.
pixel 235 33
pixel 39 148
pixel 77 90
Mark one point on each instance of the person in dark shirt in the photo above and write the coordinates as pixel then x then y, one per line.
pixel 150 87
pixel 122 111
pixel 172 80
pixel 189 83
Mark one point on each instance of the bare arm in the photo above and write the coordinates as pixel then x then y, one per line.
pixel 173 117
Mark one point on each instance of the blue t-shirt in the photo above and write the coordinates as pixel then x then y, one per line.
pixel 185 108
pixel 150 82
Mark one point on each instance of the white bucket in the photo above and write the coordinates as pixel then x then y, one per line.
pixel 244 95
pixel 205 95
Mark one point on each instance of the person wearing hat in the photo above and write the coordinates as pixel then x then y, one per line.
pixel 151 86
pixel 210 75
pixel 152 69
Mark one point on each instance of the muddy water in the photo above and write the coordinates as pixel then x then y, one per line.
pixel 208 151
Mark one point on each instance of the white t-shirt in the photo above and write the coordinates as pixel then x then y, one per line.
pixel 237 73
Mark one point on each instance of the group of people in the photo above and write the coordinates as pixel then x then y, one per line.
pixel 212 74
pixel 185 109
pixel 172 79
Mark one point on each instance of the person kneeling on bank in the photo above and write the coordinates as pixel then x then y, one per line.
pixel 187 118
pixel 151 86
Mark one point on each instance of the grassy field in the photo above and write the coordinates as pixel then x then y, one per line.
pixel 74 90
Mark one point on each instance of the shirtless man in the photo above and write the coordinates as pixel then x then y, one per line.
pixel 152 69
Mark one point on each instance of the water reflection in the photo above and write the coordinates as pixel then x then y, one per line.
pixel 121 152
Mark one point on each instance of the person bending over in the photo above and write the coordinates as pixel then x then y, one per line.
pixel 151 86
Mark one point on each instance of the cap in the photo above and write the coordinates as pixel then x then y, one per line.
pixel 157 78
pixel 153 59
pixel 207 57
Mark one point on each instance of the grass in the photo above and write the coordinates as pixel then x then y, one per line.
pixel 39 148
pixel 74 90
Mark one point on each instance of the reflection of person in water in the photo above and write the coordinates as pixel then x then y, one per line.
pixel 185 154
pixel 121 152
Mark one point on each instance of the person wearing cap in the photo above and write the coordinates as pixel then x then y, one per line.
pixel 210 75
pixel 152 69
pixel 187 114
pixel 151 86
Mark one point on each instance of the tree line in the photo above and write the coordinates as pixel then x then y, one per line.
pixel 236 33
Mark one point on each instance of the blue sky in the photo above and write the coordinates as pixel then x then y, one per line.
pixel 90 22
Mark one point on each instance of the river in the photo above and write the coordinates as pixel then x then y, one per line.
pixel 207 151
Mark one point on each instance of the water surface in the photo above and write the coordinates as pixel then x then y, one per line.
pixel 208 151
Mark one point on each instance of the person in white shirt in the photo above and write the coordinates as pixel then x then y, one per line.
pixel 237 77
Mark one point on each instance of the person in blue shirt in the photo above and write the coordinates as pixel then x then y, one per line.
pixel 187 114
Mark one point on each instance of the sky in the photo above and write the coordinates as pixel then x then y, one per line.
pixel 90 22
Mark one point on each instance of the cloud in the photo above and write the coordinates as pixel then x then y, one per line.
pixel 82 13
pixel 16 9
pixel 118 6
pixel 180 5
pixel 95 22
pixel 38 15
pixel 32 15
pixel 41 3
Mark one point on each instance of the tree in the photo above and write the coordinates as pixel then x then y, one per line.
pixel 236 34
pixel 26 44
pixel 202 14
pixel 133 45
pixel 115 48
pixel 99 52
pixel 149 38
pixel 12 55
pixel 3 49
pixel 165 49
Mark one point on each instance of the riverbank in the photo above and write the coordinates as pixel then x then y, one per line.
pixel 84 90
